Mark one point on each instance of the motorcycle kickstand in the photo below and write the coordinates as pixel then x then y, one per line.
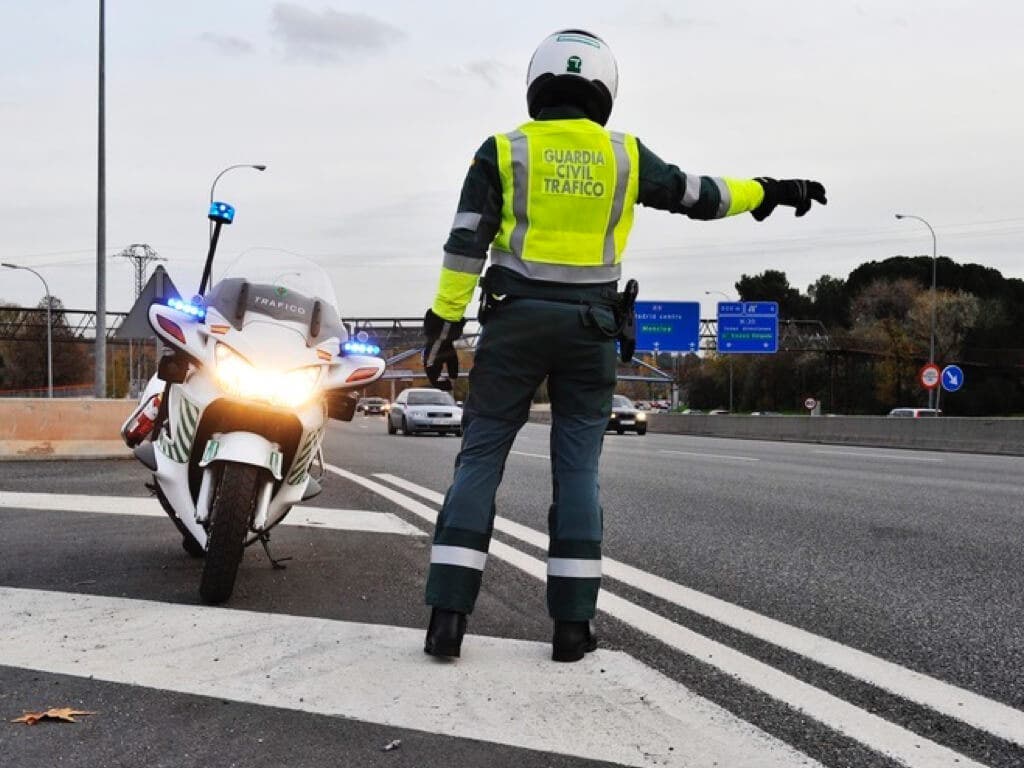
pixel 276 564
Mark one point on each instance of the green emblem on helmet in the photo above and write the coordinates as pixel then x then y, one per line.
pixel 574 64
pixel 280 290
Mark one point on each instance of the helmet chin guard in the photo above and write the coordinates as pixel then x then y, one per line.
pixel 573 67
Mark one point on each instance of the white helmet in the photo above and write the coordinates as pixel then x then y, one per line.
pixel 573 67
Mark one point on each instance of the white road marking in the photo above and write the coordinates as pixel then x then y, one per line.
pixel 503 691
pixel 318 517
pixel 703 455
pixel 534 455
pixel 978 711
pixel 894 456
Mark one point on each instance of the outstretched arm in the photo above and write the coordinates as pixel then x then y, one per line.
pixel 666 187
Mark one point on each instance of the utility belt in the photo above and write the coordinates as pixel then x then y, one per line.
pixel 622 305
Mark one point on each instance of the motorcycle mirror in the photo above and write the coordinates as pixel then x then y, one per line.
pixel 341 405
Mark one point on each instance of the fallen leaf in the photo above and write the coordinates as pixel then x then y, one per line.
pixel 62 714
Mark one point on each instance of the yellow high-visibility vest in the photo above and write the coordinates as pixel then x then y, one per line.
pixel 568 192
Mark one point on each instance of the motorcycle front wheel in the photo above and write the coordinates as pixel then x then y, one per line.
pixel 231 510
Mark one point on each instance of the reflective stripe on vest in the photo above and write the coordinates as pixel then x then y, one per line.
pixel 568 192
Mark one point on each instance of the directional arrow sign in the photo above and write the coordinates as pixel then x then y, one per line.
pixel 748 326
pixel 952 378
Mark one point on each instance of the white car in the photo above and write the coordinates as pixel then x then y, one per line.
pixel 425 410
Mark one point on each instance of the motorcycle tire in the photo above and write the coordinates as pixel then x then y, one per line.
pixel 193 547
pixel 231 510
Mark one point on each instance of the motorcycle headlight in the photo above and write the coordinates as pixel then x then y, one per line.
pixel 239 378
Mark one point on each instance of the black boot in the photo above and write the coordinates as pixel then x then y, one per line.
pixel 444 635
pixel 571 640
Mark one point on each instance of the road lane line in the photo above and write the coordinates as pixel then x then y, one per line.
pixel 977 711
pixel 502 691
pixel 301 516
pixel 871 730
pixel 534 455
pixel 895 456
pixel 702 455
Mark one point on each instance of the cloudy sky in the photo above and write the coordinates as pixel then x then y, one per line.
pixel 368 114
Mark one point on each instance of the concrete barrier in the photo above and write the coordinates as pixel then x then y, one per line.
pixel 976 435
pixel 38 428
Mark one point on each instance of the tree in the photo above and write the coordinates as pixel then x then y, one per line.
pixel 773 285
pixel 24 355
pixel 830 301
pixel 955 315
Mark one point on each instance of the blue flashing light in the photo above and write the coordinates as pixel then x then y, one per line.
pixel 359 348
pixel 222 212
pixel 199 313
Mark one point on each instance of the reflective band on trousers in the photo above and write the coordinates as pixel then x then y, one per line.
pixel 574 568
pixel 441 554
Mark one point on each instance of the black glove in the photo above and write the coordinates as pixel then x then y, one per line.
pixel 797 193
pixel 439 351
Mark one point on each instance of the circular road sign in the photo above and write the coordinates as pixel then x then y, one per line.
pixel 952 378
pixel 930 376
pixel 810 403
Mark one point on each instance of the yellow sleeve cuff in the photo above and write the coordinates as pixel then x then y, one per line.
pixel 454 293
pixel 745 195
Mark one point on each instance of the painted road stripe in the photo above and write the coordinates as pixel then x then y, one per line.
pixel 975 710
pixel 873 731
pixel 318 517
pixel 702 455
pixel 376 673
pixel 895 456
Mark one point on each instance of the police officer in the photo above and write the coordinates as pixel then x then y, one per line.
pixel 553 202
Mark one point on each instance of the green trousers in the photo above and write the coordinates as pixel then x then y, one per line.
pixel 521 345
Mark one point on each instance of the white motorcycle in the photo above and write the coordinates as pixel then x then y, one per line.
pixel 240 406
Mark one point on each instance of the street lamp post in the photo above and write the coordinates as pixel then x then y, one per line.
pixel 727 298
pixel 49 326
pixel 931 347
pixel 213 187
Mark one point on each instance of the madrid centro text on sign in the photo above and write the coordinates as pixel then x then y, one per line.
pixel 668 326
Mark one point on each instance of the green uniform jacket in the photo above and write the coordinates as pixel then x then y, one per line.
pixel 661 185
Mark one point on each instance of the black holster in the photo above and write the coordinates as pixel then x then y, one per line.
pixel 625 316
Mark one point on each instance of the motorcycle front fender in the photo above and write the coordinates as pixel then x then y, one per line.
pixel 243 448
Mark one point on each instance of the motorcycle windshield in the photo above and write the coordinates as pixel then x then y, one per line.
pixel 280 285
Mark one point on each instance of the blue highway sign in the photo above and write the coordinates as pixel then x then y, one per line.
pixel 748 326
pixel 952 378
pixel 668 326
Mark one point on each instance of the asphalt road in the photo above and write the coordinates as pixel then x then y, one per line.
pixel 845 606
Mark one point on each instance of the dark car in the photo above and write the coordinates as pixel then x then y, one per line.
pixel 425 410
pixel 372 406
pixel 626 416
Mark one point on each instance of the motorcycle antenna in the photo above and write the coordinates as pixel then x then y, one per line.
pixel 220 214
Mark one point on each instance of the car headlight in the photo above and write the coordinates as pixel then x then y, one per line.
pixel 641 416
pixel 239 378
